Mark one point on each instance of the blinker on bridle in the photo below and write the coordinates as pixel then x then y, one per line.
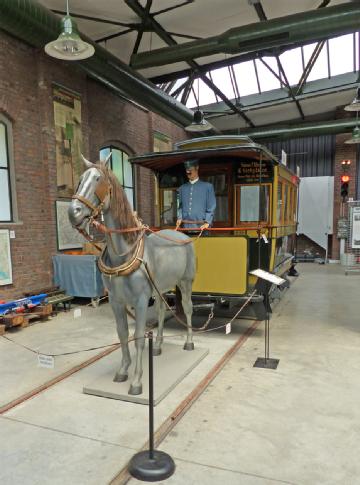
pixel 103 188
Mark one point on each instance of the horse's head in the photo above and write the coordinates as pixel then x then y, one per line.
pixel 92 195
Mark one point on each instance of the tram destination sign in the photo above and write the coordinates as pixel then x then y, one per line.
pixel 249 172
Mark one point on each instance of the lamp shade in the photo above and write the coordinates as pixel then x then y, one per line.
pixel 69 46
pixel 355 104
pixel 198 123
pixel 355 136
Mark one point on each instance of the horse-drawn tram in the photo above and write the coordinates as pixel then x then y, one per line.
pixel 254 223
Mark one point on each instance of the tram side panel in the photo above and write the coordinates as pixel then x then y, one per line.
pixel 221 265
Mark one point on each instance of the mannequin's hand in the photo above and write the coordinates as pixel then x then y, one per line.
pixel 204 226
pixel 178 224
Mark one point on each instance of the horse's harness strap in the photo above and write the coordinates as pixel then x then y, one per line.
pixel 107 230
pixel 103 189
pixel 126 268
pixel 85 201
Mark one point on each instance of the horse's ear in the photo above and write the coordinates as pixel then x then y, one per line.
pixel 87 162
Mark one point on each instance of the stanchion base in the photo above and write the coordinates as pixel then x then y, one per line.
pixel 144 468
pixel 266 363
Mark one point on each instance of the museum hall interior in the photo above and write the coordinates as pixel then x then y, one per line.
pixel 179 242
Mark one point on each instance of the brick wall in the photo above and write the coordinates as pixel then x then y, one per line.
pixel 26 100
pixel 343 151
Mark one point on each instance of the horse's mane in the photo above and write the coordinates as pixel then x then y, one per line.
pixel 119 205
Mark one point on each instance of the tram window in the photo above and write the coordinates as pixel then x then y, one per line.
pixel 279 203
pixel 221 193
pixel 168 213
pixel 248 203
pixel 286 202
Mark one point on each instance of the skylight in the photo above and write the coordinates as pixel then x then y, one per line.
pixel 332 57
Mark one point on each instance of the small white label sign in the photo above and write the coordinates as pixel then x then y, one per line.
pixel 228 328
pixel 77 313
pixel 265 238
pixel 46 361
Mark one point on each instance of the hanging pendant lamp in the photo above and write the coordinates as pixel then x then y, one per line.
pixel 69 46
pixel 355 104
pixel 198 123
pixel 355 136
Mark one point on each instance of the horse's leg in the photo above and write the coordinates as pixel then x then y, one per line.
pixel 186 287
pixel 160 307
pixel 123 332
pixel 140 315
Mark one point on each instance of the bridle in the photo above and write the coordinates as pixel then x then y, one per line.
pixel 103 189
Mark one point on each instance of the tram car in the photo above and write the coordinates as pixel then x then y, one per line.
pixel 256 211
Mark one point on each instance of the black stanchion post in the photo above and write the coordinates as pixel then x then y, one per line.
pixel 151 465
pixel 265 362
pixel 151 397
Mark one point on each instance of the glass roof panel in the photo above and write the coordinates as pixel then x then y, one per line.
pixel 178 83
pixel 320 68
pixel 246 78
pixel 291 62
pixel 266 78
pixel 203 92
pixel 341 60
pixel 191 102
pixel 341 54
pixel 221 78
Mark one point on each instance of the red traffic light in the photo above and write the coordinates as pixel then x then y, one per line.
pixel 345 178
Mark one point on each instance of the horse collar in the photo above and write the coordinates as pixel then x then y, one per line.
pixel 126 268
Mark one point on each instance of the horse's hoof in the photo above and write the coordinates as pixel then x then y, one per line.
pixel 189 346
pixel 135 390
pixel 120 377
pixel 156 351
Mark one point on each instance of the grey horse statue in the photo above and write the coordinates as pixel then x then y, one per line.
pixel 133 263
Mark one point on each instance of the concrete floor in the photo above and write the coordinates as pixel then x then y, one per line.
pixel 298 424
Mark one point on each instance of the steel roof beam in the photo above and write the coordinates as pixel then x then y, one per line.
pixel 161 32
pixel 34 24
pixel 302 27
pixel 263 18
pixel 276 132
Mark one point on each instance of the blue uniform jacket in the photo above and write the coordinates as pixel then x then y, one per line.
pixel 197 202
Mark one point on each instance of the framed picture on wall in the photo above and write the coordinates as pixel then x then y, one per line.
pixel 5 258
pixel 67 236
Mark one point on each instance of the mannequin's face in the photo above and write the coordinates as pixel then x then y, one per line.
pixel 192 173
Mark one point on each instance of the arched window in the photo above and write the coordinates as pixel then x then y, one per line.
pixel 6 205
pixel 123 170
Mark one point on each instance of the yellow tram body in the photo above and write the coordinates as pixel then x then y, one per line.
pixel 248 180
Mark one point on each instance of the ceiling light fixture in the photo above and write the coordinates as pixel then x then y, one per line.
pixel 69 46
pixel 198 123
pixel 355 104
pixel 355 138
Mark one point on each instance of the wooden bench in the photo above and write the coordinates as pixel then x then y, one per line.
pixel 59 298
pixel 56 296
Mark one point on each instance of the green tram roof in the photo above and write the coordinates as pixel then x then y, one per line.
pixel 162 161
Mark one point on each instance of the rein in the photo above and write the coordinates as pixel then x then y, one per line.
pixel 104 189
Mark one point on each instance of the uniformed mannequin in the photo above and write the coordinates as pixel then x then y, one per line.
pixel 197 200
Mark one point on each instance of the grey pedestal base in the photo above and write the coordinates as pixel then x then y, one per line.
pixel 169 369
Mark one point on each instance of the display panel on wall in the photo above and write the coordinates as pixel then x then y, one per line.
pixel 68 139
pixel 67 236
pixel 5 258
